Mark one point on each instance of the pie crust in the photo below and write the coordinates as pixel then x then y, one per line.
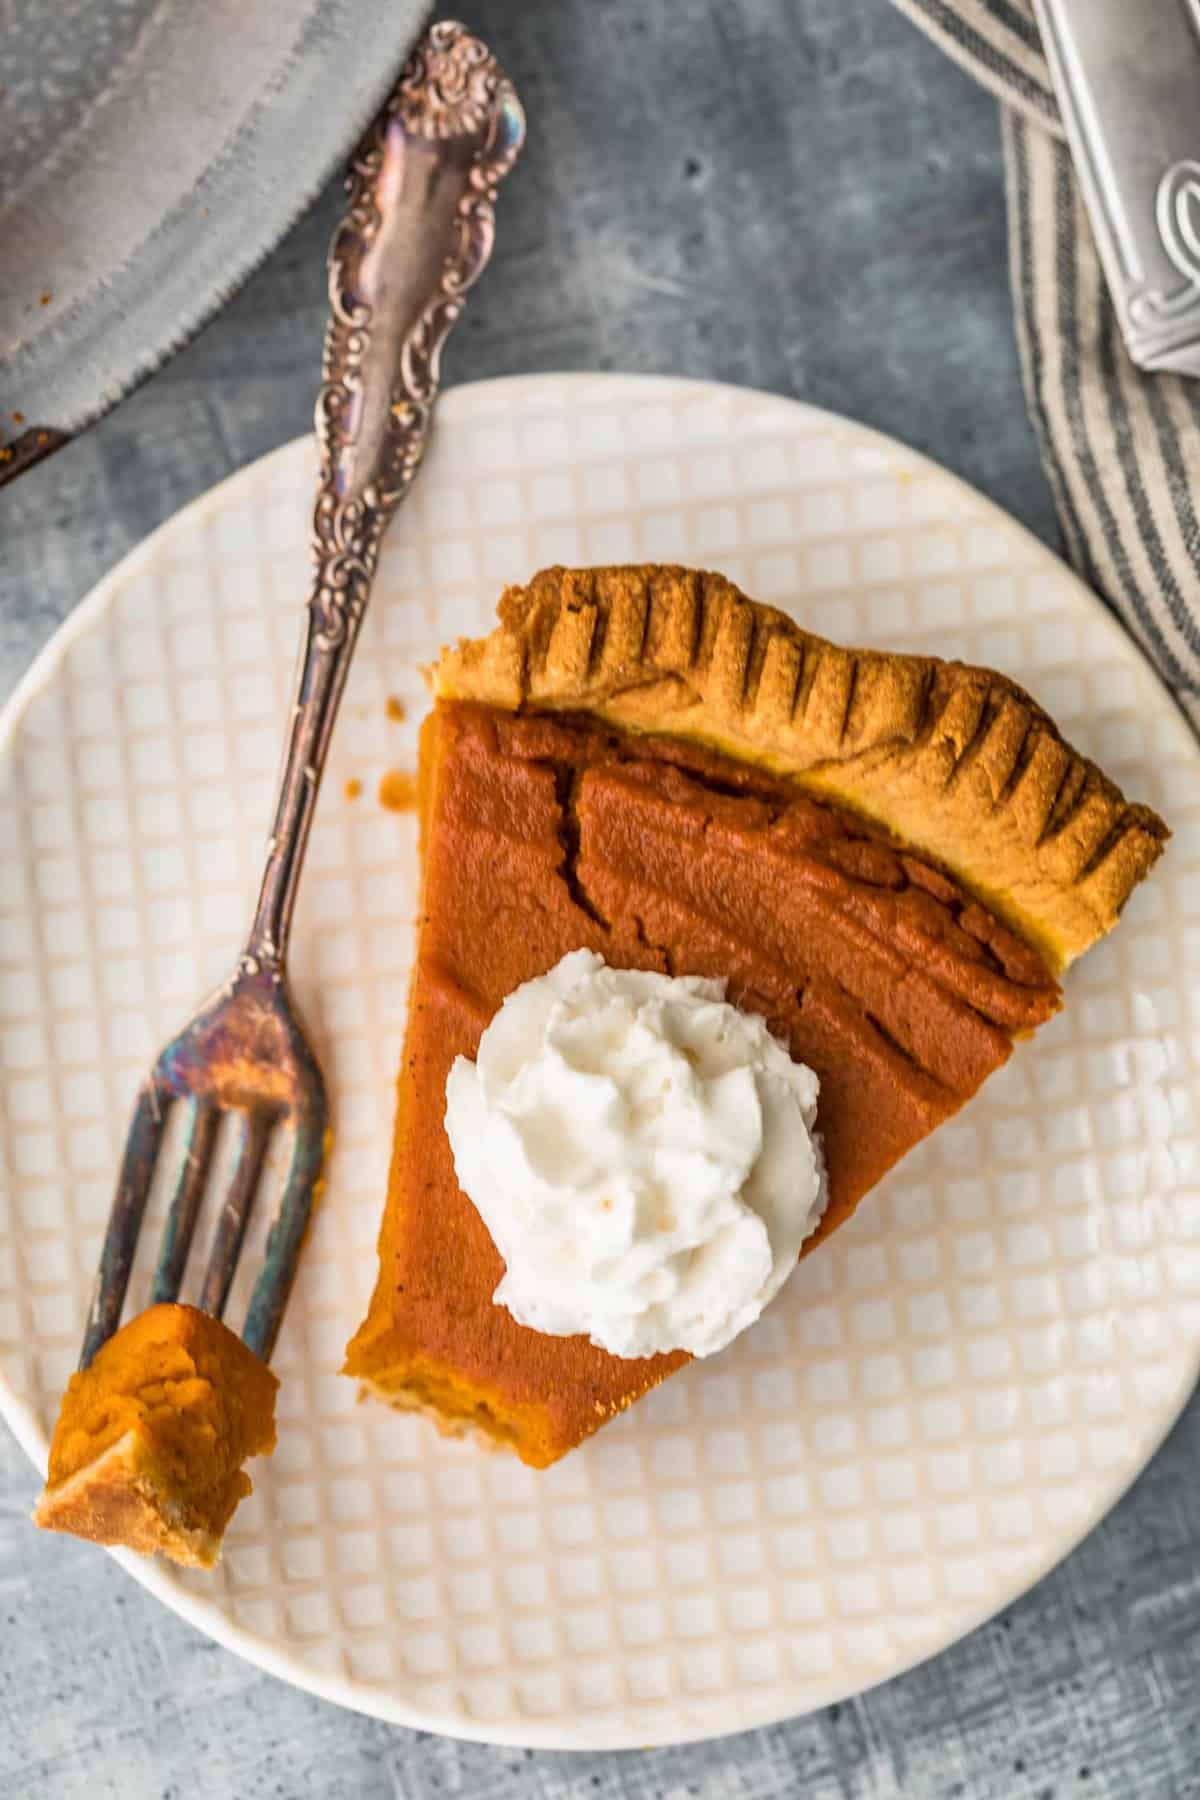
pixel 957 762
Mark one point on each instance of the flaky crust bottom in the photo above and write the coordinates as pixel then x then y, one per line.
pixel 405 1400
pixel 123 1498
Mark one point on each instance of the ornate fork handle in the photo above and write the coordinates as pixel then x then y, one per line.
pixel 426 178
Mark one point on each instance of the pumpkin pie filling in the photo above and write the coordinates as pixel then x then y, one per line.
pixel 546 834
pixel 151 1438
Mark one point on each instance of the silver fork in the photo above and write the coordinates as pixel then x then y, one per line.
pixel 416 233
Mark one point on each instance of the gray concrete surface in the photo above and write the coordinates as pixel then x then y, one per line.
pixel 803 197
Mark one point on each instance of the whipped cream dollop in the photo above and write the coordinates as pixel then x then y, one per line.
pixel 643 1154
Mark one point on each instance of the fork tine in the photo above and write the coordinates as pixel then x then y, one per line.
pixel 255 1131
pixel 282 1253
pixel 125 1219
pixel 201 1135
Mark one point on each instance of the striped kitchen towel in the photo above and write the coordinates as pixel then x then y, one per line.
pixel 1121 448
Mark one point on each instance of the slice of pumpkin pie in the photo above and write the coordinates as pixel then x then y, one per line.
pixel 888 859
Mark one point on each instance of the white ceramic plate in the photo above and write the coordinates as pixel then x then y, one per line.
pixel 939 1405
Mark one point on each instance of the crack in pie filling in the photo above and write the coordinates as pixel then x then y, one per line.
pixel 890 859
